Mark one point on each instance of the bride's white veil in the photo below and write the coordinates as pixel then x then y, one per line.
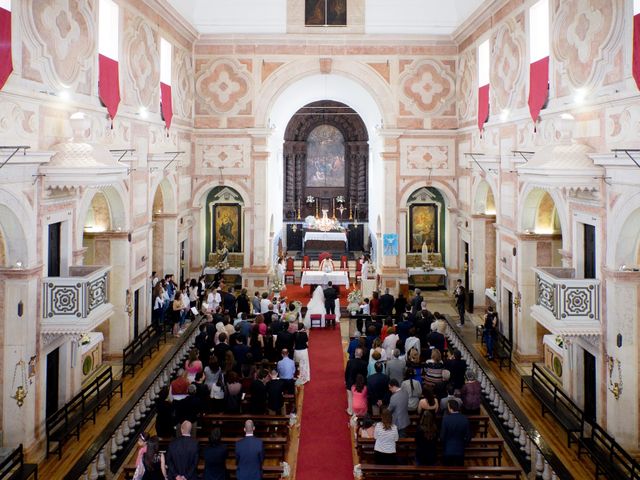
pixel 315 306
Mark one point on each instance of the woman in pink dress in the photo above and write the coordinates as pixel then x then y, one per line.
pixel 359 390
pixel 193 366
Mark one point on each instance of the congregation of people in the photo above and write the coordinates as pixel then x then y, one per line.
pixel 248 357
pixel 400 368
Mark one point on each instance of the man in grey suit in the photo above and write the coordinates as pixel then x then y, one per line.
pixel 399 407
pixel 396 366
pixel 249 455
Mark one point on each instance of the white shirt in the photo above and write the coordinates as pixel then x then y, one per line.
pixel 264 305
pixel 213 299
pixel 385 439
pixel 365 309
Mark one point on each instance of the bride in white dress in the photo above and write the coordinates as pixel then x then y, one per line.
pixel 315 306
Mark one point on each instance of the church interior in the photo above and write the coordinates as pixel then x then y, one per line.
pixel 475 158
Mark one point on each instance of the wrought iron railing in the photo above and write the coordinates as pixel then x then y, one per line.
pixel 566 297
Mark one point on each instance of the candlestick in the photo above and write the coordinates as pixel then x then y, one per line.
pixel 333 202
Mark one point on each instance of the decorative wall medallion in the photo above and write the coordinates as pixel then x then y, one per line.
pixel 182 83
pixel 232 155
pixel 426 156
pixel 61 41
pixel 427 86
pixel 467 85
pixel 583 36
pixel 142 60
pixel 507 72
pixel 222 86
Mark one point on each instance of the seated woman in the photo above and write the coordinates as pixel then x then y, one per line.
pixel 365 427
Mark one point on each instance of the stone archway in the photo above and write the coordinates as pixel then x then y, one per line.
pixel 483 246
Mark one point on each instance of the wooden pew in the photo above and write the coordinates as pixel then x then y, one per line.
pixel 479 450
pixel 275 448
pixel 409 472
pixel 269 472
pixel 479 424
pixel 233 425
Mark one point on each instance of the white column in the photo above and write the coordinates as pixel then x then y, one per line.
pixel 402 238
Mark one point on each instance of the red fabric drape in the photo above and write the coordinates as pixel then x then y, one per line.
pixel 6 63
pixel 109 84
pixel 538 86
pixel 636 49
pixel 167 105
pixel 483 106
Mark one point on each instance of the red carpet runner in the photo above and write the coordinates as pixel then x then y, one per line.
pixel 325 445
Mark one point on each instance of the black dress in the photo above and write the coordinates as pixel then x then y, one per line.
pixel 215 458
pixel 153 471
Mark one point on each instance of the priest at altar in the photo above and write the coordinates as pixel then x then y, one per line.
pixel 326 265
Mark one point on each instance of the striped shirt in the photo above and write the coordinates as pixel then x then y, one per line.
pixel 385 439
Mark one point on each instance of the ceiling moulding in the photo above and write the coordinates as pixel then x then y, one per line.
pixel 483 13
pixel 164 9
pixel 327 39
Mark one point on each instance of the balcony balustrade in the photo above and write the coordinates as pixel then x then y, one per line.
pixel 77 303
pixel 566 305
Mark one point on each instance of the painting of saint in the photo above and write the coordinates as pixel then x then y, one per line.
pixel 337 13
pixel 227 227
pixel 315 12
pixel 325 157
pixel 424 227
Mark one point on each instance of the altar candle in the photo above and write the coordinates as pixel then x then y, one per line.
pixel 333 200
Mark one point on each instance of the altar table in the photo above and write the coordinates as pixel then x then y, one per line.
pixel 325 241
pixel 316 277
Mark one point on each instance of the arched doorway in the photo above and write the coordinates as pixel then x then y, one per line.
pixel 482 265
pixel 164 257
pixel 325 167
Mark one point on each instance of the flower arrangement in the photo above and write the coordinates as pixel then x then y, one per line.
pixel 559 341
pixel 277 285
pixel 355 298
pixel 85 339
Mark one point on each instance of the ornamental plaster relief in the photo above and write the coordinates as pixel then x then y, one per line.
pixel 584 40
pixel 507 69
pixel 223 86
pixel 226 156
pixel 182 83
pixel 623 126
pixel 59 43
pixel 428 86
pixel 161 141
pixel 18 123
pixel 141 64
pixel 467 85
pixel 426 156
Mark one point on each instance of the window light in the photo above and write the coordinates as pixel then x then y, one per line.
pixel 108 29
pixel 483 63
pixel 539 30
pixel 165 62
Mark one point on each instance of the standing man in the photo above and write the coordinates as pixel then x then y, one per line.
pixel 249 455
pixel 386 303
pixel 416 302
pixel 255 303
pixel 182 455
pixel 399 407
pixel 330 296
pixel 229 303
pixel 287 371
pixel 455 435
pixel 460 294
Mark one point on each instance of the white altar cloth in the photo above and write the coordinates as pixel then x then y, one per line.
pixel 325 236
pixel 439 271
pixel 316 277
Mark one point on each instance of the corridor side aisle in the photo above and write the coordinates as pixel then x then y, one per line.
pixel 552 433
pixel 73 450
pixel 325 444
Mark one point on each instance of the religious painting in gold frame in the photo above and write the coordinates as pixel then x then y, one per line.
pixel 423 227
pixel 227 227
pixel 325 13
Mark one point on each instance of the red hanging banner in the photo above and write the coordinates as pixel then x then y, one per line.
pixel 483 106
pixel 636 49
pixel 538 86
pixel 109 84
pixel 166 105
pixel 6 63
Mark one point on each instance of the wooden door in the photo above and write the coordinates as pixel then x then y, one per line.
pixel 53 257
pixel 589 251
pixel 53 382
pixel 589 386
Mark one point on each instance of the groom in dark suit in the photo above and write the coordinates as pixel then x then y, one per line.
pixel 330 296
pixel 249 455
